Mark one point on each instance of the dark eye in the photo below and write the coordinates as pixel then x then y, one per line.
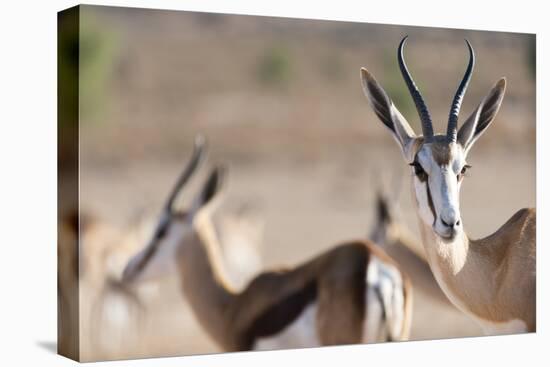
pixel 463 171
pixel 418 170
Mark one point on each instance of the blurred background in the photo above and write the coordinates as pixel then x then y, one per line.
pixel 280 102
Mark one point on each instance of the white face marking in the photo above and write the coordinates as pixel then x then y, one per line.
pixel 443 181
pixel 162 261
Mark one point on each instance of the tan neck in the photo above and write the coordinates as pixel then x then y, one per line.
pixel 461 269
pixel 204 279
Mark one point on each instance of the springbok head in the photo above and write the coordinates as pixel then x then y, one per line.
pixel 175 227
pixel 438 160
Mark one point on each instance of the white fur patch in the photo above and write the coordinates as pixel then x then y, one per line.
pixel 373 327
pixel 384 296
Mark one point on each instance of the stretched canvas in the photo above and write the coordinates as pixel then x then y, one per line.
pixel 232 183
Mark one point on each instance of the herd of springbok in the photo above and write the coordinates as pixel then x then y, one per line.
pixel 357 291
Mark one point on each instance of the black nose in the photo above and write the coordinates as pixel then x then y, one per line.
pixel 450 225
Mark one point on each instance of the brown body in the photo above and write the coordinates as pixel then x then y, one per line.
pixel 334 280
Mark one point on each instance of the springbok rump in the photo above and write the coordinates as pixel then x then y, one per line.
pixel 353 293
pixel 491 279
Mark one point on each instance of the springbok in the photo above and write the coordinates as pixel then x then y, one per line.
pixel 352 293
pixel 389 232
pixel 491 279
pixel 240 229
pixel 111 316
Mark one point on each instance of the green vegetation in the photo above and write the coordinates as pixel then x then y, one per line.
pixel 97 55
pixel 86 54
pixel 275 67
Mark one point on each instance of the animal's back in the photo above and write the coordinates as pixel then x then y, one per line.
pixel 325 301
pixel 521 266
pixel 513 248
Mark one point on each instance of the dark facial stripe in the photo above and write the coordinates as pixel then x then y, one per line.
pixel 430 200
pixel 151 250
pixel 423 178
pixel 153 246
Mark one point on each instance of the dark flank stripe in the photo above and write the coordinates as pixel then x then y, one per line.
pixel 336 281
pixel 284 313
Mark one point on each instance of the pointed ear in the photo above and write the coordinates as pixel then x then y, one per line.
pixel 210 192
pixel 386 111
pixel 482 116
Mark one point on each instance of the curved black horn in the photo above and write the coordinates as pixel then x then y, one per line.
pixel 425 119
pixel 196 158
pixel 457 101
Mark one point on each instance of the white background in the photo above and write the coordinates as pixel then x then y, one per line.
pixel 28 181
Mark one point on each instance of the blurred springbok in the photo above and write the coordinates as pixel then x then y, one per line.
pixel 240 227
pixel 352 293
pixel 92 254
pixel 491 279
pixel 108 314
pixel 67 286
pixel 389 231
pixel 112 315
